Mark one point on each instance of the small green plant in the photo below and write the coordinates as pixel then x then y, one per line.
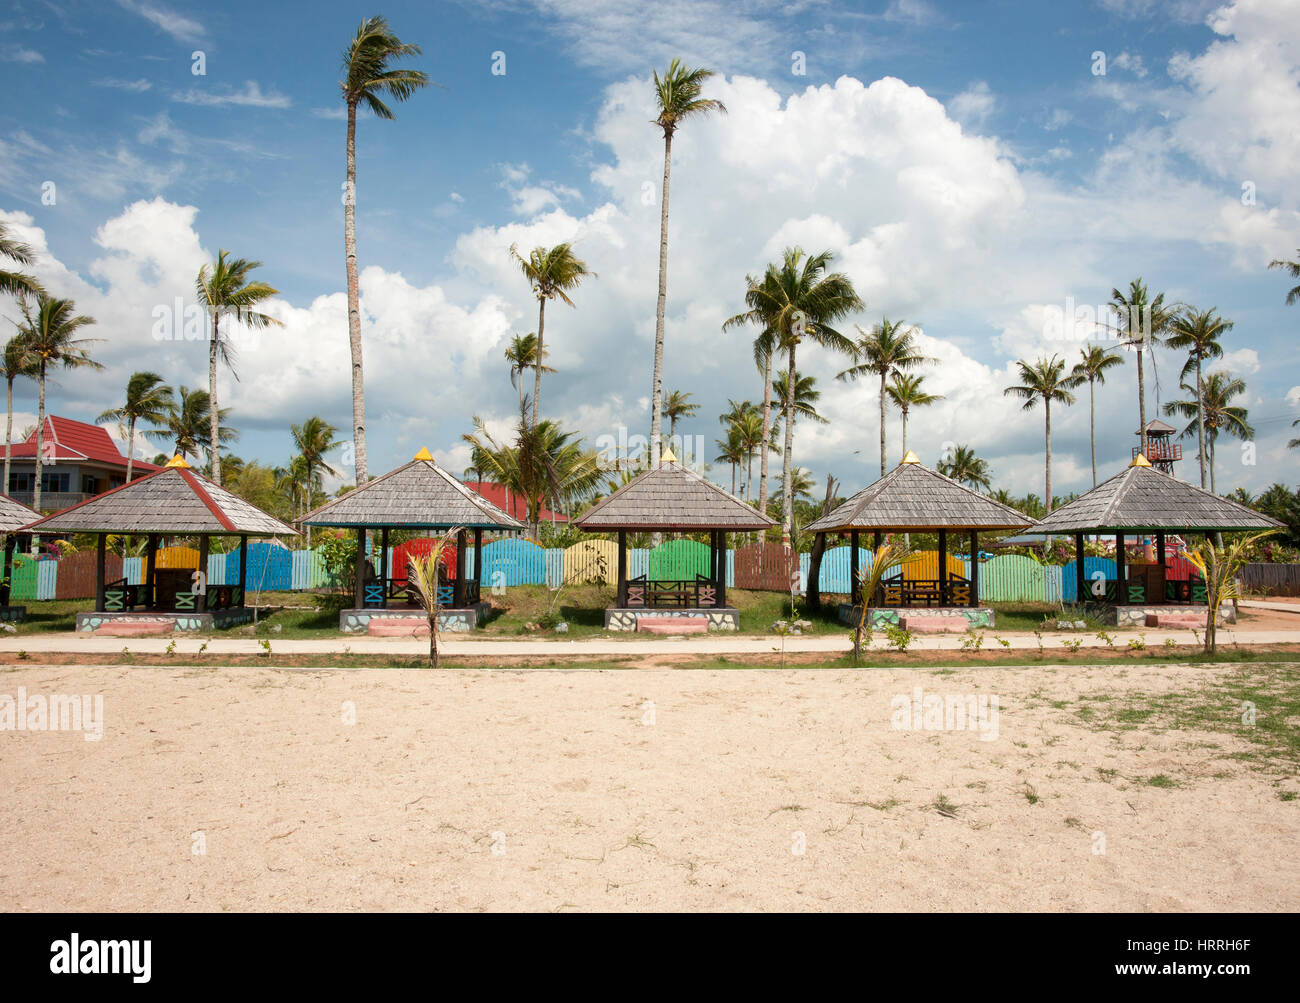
pixel 171 647
pixel 203 647
pixel 973 640
pixel 1138 643
pixel 1170 642
pixel 898 637
pixel 22 656
pixel 266 647
pixel 1108 638
pixel 1038 635
pixel 1072 643
pixel 1002 641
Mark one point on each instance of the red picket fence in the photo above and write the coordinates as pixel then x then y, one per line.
pixel 420 547
pixel 76 577
pixel 764 567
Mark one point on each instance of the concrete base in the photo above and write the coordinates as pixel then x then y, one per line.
pixel 975 616
pixel 1136 616
pixel 216 620
pixel 13 614
pixel 357 621
pixel 724 618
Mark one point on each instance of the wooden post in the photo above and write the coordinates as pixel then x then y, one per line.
pixel 621 599
pixel 1121 587
pixel 1080 578
pixel 100 544
pixel 854 592
pixel 201 600
pixel 10 542
pixel 458 589
pixel 383 566
pixel 974 568
pixel 943 568
pixel 478 560
pixel 243 570
pixel 150 563
pixel 722 568
pixel 1160 548
pixel 359 586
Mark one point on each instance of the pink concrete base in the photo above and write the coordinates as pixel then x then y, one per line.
pixel 136 628
pixel 408 627
pixel 935 624
pixel 672 625
pixel 1186 621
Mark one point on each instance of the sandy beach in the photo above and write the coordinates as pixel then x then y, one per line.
pixel 249 789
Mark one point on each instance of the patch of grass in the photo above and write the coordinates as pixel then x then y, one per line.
pixel 944 807
pixel 1162 780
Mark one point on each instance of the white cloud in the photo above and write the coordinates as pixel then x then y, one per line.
pixel 1130 61
pixel 1242 362
pixel 912 12
pixel 250 97
pixel 973 105
pixel 20 54
pixel 178 26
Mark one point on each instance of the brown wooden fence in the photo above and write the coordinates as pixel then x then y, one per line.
pixel 764 566
pixel 76 578
pixel 1272 579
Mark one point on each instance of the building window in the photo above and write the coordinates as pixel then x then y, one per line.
pixel 20 481
pixel 55 483
pixel 88 486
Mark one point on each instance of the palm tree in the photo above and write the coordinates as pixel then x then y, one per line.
pixel 1044 380
pixel 1294 442
pixel 15 283
pixel 731 450
pixel 749 428
pixel 16 363
pixel 313 439
pixel 677 405
pixel 1292 268
pixel 1217 411
pixel 50 339
pixel 1197 332
pixel 890 347
pixel 368 78
pixel 678 94
pixel 552 273
pixel 522 356
pixel 188 423
pixel 1092 365
pixel 964 467
pixel 148 400
pixel 905 393
pixel 801 484
pixel 796 300
pixel 226 290
pixel 1142 322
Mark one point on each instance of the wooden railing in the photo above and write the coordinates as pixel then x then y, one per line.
pixel 121 597
pixel 898 591
pixel 384 593
pixel 699 593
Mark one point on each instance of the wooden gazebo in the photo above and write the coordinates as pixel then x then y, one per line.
pixel 417 496
pixel 173 501
pixel 671 498
pixel 912 498
pixel 14 515
pixel 1143 501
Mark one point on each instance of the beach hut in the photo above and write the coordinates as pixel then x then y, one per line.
pixel 912 498
pixel 173 501
pixel 417 496
pixel 14 515
pixel 1144 502
pixel 671 498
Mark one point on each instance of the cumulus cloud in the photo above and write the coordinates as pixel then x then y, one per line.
pixel 250 96
pixel 973 105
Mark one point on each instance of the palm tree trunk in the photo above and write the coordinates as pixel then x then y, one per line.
pixel 749 475
pixel 1200 421
pixel 537 369
pixel 787 461
pixel 40 442
pixel 213 419
pixel 1047 409
pixel 904 433
pixel 1142 409
pixel 1092 425
pixel 882 424
pixel 733 477
pixel 130 448
pixel 657 379
pixel 767 433
pixel 9 431
pixel 354 301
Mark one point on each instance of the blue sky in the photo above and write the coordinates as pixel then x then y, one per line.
pixel 965 162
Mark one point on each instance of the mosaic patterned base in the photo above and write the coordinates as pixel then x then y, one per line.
pixel 1136 616
pixel 625 619
pixel 216 620
pixel 357 621
pixel 13 614
pixel 976 616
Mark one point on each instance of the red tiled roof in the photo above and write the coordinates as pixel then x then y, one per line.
pixel 515 504
pixel 70 440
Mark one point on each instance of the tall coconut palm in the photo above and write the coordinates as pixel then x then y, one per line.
pixel 188 423
pixel 552 272
pixel 677 405
pixel 148 400
pixel 889 347
pixel 1142 322
pixel 522 356
pixel 313 439
pixel 1292 268
pixel 1197 332
pixel 13 283
pixel 16 363
pixel 749 428
pixel 964 467
pixel 678 95
pixel 1294 443
pixel 1045 380
pixel 799 299
pixel 1215 407
pixel 50 335
pixel 906 392
pixel 368 78
pixel 225 290
pixel 1092 365
pixel 731 450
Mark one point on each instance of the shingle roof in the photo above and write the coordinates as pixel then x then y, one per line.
pixel 914 497
pixel 1143 498
pixel 66 440
pixel 173 500
pixel 419 495
pixel 673 498
pixel 14 515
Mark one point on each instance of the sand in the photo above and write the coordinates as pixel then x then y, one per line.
pixel 547 790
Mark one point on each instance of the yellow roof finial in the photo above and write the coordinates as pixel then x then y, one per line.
pixel 668 456
pixel 910 457
pixel 423 454
pixel 178 461
pixel 1140 461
